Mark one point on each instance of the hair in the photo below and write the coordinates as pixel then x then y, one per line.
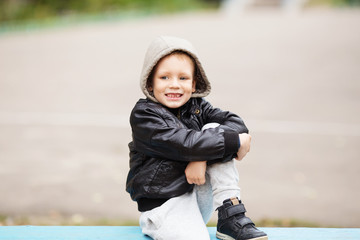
pixel 196 75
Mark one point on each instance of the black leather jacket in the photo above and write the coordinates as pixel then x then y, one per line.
pixel 165 140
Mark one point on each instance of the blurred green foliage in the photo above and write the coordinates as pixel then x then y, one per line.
pixel 20 10
pixel 336 3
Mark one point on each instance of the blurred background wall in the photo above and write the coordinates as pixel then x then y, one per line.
pixel 69 77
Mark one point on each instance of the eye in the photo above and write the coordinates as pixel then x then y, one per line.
pixel 184 78
pixel 164 77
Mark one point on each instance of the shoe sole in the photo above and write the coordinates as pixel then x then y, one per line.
pixel 222 236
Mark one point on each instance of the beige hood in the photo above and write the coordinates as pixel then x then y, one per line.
pixel 163 46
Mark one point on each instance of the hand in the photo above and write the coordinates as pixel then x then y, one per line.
pixel 245 140
pixel 195 172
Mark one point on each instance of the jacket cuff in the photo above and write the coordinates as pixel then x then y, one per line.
pixel 232 142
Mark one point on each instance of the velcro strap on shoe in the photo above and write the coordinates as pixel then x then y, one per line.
pixel 244 221
pixel 232 211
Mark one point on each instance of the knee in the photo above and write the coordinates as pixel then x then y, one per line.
pixel 210 125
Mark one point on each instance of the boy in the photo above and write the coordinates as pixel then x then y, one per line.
pixel 181 156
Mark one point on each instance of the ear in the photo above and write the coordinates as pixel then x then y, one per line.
pixel 149 84
pixel 194 86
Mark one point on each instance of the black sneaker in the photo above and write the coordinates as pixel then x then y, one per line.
pixel 234 225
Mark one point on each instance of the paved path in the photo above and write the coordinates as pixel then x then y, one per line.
pixel 66 94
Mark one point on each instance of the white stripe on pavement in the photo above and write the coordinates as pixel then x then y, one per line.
pixel 122 121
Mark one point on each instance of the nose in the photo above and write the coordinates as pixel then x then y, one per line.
pixel 174 83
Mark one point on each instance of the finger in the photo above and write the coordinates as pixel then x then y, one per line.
pixel 189 181
pixel 198 181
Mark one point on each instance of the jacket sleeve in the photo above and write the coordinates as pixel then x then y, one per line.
pixel 157 135
pixel 226 119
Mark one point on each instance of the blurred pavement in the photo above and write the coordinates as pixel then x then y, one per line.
pixel 66 95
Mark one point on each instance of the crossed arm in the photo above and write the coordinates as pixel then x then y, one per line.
pixel 195 171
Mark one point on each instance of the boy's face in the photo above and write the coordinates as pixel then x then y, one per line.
pixel 173 81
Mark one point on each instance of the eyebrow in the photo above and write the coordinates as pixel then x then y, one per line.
pixel 168 72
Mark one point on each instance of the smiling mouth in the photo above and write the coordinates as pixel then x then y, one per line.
pixel 173 95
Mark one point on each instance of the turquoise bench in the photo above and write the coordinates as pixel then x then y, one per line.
pixel 121 232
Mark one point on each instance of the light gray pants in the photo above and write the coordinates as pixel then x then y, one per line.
pixel 185 217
